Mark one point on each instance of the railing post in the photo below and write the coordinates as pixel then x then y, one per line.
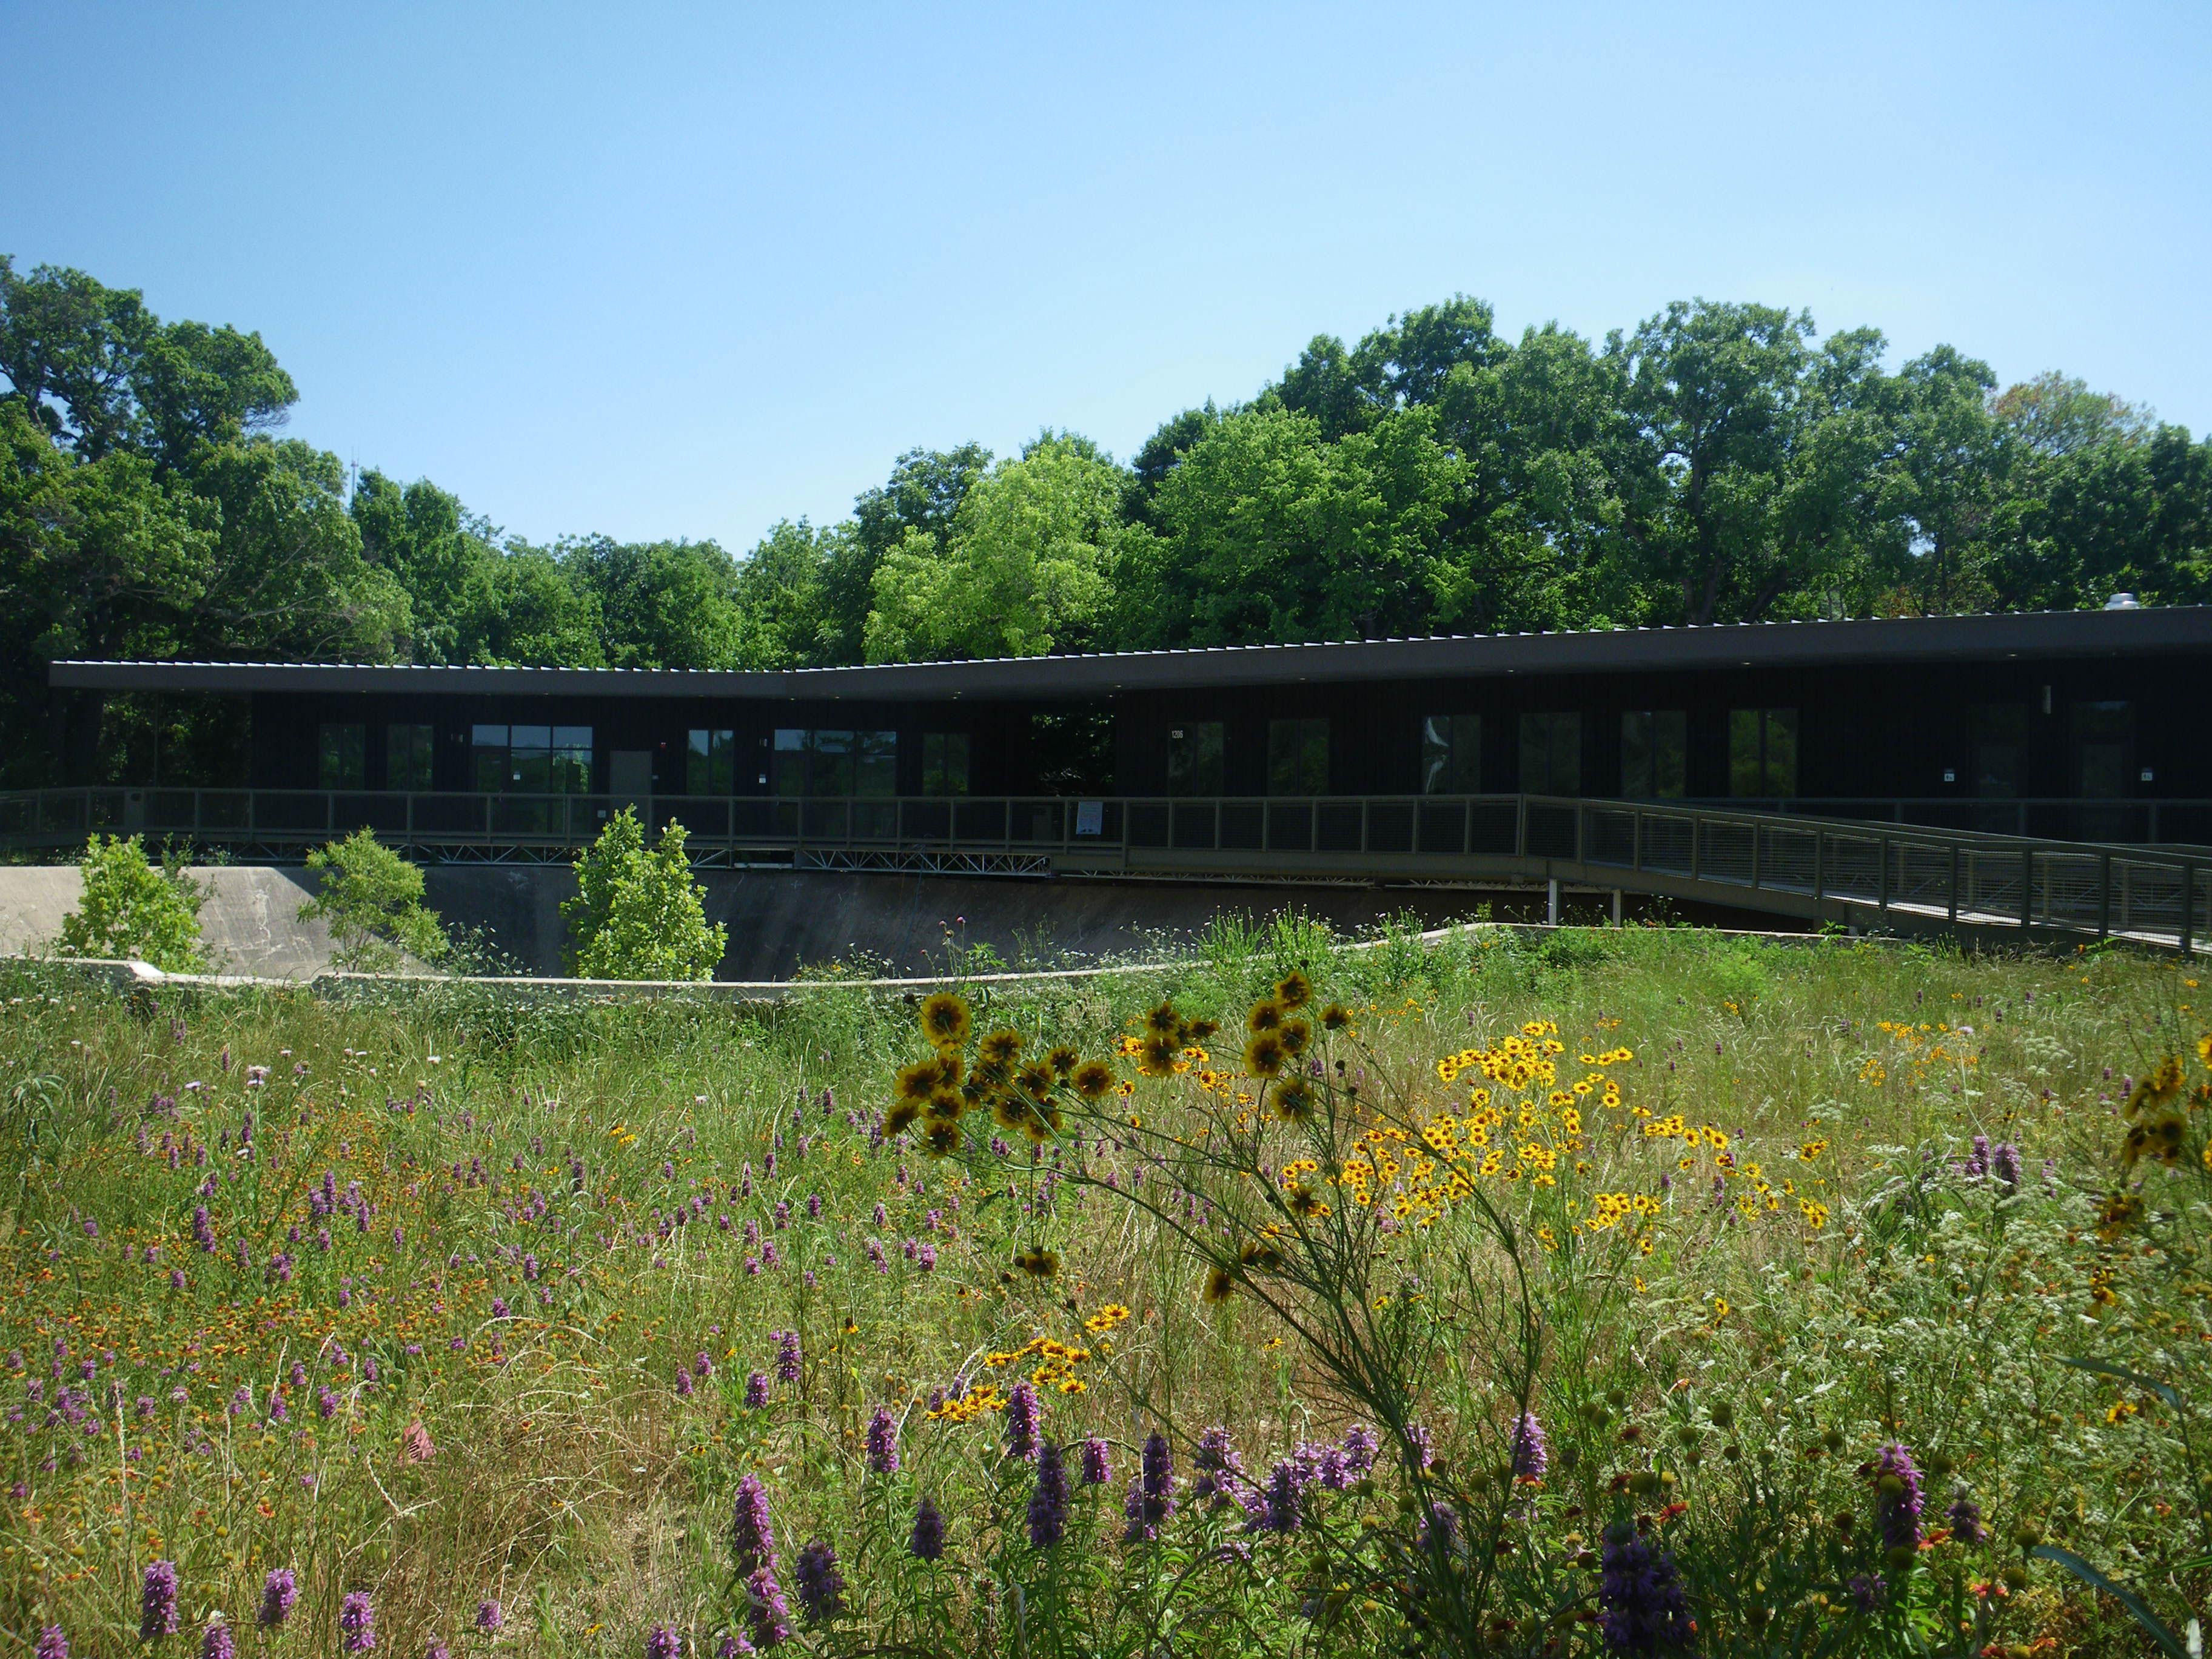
pixel 1952 897
pixel 1756 838
pixel 1820 869
pixel 1636 839
pixel 1696 846
pixel 1521 826
pixel 1881 886
pixel 2027 889
pixel 2104 897
pixel 2188 909
pixel 1582 834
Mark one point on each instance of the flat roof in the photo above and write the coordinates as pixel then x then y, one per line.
pixel 1988 637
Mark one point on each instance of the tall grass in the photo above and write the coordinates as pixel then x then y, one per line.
pixel 547 1211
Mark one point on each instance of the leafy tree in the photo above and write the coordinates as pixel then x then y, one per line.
pixel 540 617
pixel 372 899
pixel 443 558
pixel 1269 532
pixel 638 913
pixel 661 604
pixel 1028 567
pixel 781 595
pixel 923 494
pixel 130 911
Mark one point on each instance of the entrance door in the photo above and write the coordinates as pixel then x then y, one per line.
pixel 629 775
pixel 2103 761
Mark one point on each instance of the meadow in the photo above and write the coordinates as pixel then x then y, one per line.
pixel 1618 1290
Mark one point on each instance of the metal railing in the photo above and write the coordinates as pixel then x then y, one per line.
pixel 1836 867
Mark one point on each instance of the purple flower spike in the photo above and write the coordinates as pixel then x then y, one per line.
pixel 357 1622
pixel 882 1442
pixel 157 1602
pixel 753 1539
pixel 1531 1456
pixel 1048 1498
pixel 928 1541
pixel 771 1618
pixel 1097 1464
pixel 218 1642
pixel 663 1643
pixel 1641 1607
pixel 1024 1421
pixel 821 1586
pixel 279 1593
pixel 1897 1501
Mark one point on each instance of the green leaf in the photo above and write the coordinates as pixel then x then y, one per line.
pixel 2104 1368
pixel 2127 1598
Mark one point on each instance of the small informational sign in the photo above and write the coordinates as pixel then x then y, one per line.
pixel 1090 818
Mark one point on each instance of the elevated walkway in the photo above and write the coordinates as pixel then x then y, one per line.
pixel 1853 871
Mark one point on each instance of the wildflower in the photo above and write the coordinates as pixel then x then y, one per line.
pixel 821 1586
pixel 1219 1283
pixel 1896 1499
pixel 279 1593
pixel 1093 1080
pixel 1048 1498
pixel 218 1642
pixel 927 1542
pixel 415 1445
pixel 771 1618
pixel 1098 1467
pixel 1267 1015
pixel 1360 1448
pixel 663 1643
pixel 882 1442
pixel 1024 1418
pixel 1265 1055
pixel 753 1539
pixel 1439 1531
pixel 1279 1511
pixel 945 1021
pixel 1294 990
pixel 1220 1472
pixel 1641 1607
pixel 490 1616
pixel 1965 1517
pixel 1868 1589
pixel 157 1602
pixel 2004 1164
pixel 1294 1101
pixel 787 1357
pixel 1531 1456
pixel 52 1645
pixel 357 1622
pixel 755 1390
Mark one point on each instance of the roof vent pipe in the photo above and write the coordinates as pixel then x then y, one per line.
pixel 2122 602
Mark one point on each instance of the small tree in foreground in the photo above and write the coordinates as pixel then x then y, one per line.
pixel 372 899
pixel 638 911
pixel 130 910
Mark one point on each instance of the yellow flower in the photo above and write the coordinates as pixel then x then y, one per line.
pixel 945 1021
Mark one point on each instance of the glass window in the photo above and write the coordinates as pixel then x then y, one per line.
pixel 831 774
pixel 1451 754
pixel 530 759
pixel 406 758
pixel 944 764
pixel 1298 757
pixel 2104 745
pixel 1654 754
pixel 488 758
pixel 1762 752
pixel 1551 754
pixel 571 771
pixel 2000 751
pixel 1194 758
pixel 342 758
pixel 787 762
pixel 875 763
pixel 709 763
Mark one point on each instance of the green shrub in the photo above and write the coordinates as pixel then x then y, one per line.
pixel 372 899
pixel 130 910
pixel 637 912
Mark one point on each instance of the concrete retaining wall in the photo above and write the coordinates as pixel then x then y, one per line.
pixel 779 921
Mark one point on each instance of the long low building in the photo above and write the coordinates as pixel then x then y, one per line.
pixel 2075 723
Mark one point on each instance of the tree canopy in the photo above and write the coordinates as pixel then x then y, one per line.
pixel 1717 462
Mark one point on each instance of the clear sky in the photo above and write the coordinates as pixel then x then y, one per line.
pixel 684 271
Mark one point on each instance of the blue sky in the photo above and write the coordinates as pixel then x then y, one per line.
pixel 684 271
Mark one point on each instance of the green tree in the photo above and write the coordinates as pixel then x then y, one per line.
pixel 781 594
pixel 639 913
pixel 1028 567
pixel 443 558
pixel 661 604
pixel 372 899
pixel 923 494
pixel 129 910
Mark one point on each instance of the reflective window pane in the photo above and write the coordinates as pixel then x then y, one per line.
pixel 1298 757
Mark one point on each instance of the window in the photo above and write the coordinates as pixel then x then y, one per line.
pixel 1762 752
pixel 710 762
pixel 1451 754
pixel 342 758
pixel 2000 749
pixel 1654 754
pixel 406 758
pixel 1298 757
pixel 1194 758
pixel 944 764
pixel 1551 754
pixel 836 763
pixel 531 760
pixel 2104 747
